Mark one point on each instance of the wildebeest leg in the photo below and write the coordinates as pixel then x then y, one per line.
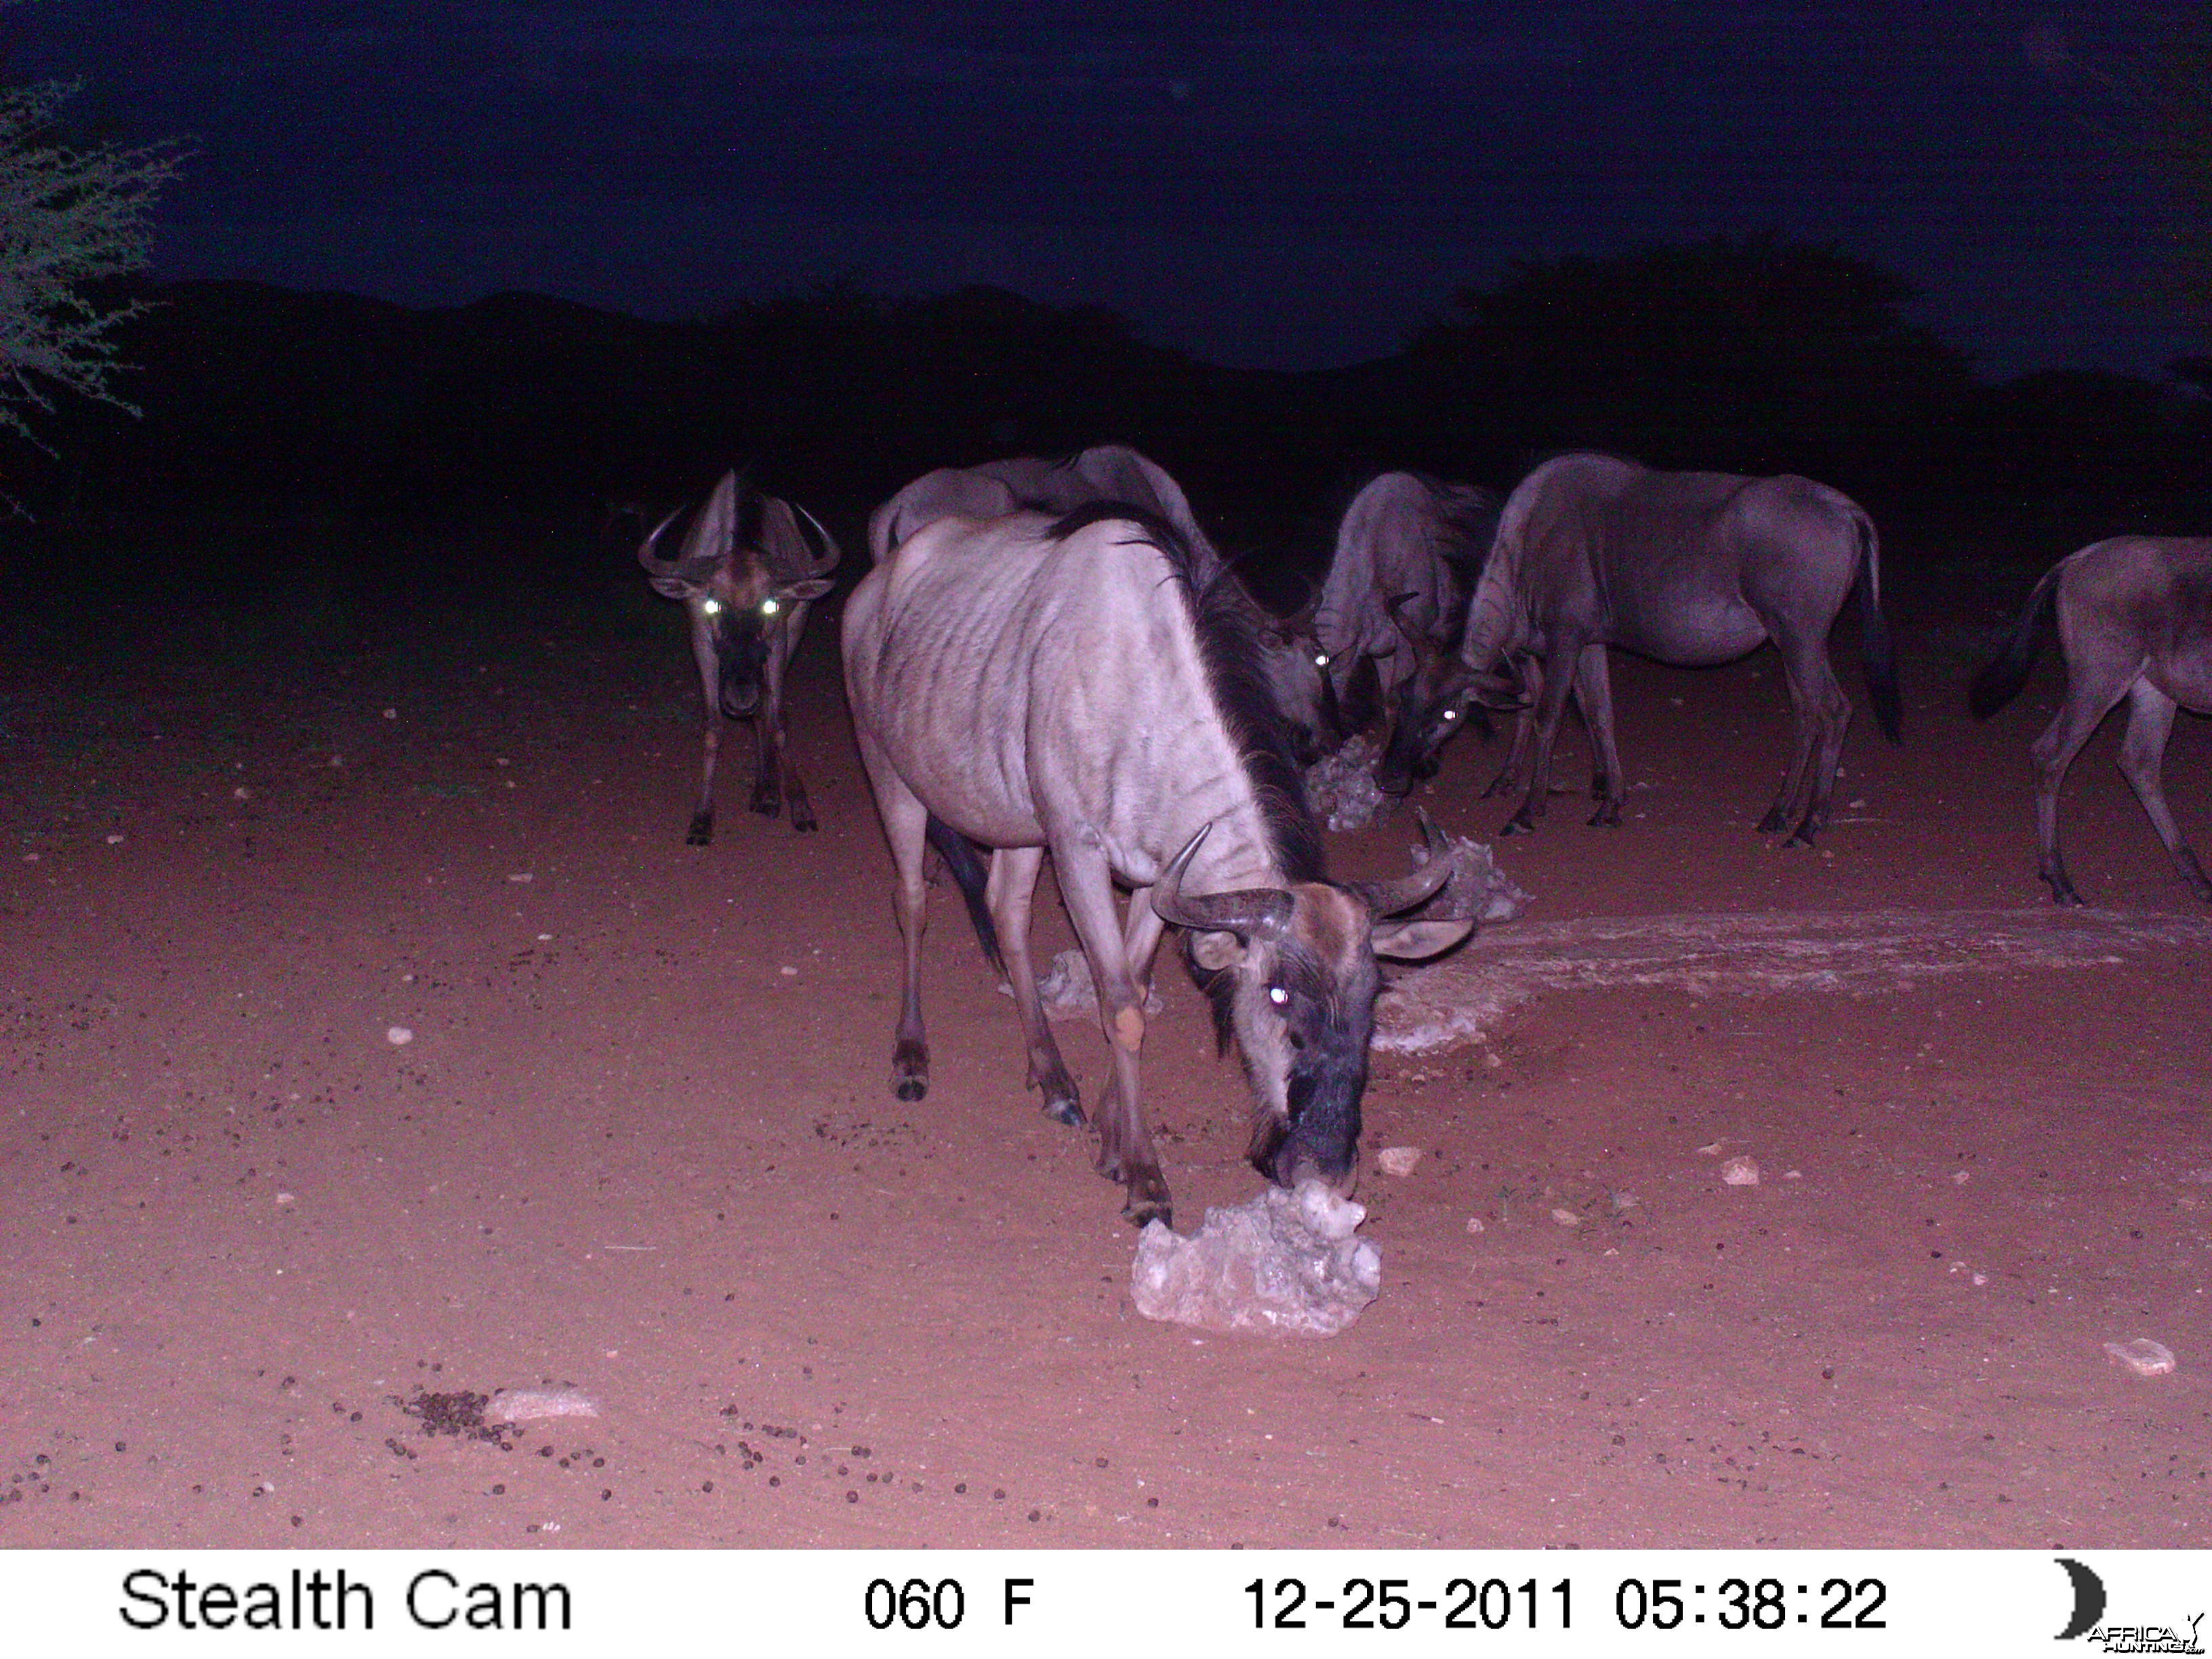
pixel 2090 696
pixel 768 762
pixel 1823 715
pixel 1012 886
pixel 905 827
pixel 1516 770
pixel 702 832
pixel 1550 707
pixel 1594 691
pixel 1140 943
pixel 1125 1145
pixel 802 811
pixel 2143 760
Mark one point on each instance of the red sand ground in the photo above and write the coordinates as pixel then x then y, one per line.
pixel 643 1142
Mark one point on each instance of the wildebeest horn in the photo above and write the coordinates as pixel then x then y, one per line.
pixel 697 567
pixel 647 554
pixel 1263 911
pixel 1425 651
pixel 1389 898
pixel 832 552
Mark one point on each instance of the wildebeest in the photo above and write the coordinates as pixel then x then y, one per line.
pixel 1030 685
pixel 992 489
pixel 2135 621
pixel 1390 610
pixel 747 573
pixel 1108 473
pixel 1689 569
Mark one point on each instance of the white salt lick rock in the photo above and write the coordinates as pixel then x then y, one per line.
pixel 1282 1264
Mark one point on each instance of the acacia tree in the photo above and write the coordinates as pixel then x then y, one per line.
pixel 71 218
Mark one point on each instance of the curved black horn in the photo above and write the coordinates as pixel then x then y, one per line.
pixel 1252 911
pixel 647 556
pixel 1388 898
pixel 833 553
pixel 1426 650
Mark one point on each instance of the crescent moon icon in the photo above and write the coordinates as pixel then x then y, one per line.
pixel 2089 1598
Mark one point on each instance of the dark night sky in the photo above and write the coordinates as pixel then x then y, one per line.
pixel 1290 185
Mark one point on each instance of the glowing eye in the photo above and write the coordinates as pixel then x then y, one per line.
pixel 1278 996
pixel 770 607
pixel 1320 659
pixel 712 607
pixel 1451 713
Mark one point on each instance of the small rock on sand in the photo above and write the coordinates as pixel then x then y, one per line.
pixel 399 1035
pixel 1398 1160
pixel 1740 1172
pixel 528 1405
pixel 2142 1356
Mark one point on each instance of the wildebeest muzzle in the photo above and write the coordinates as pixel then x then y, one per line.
pixel 741 655
pixel 1321 1138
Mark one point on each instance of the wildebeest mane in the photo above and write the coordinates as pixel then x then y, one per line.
pixel 1227 622
pixel 751 505
pixel 1470 523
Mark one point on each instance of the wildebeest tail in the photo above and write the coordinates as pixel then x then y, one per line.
pixel 1876 652
pixel 969 875
pixel 1999 683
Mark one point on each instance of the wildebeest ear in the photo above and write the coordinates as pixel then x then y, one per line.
pixel 671 588
pixel 1499 691
pixel 1216 951
pixel 1417 941
pixel 812 589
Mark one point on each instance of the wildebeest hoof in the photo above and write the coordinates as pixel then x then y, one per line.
pixel 1774 823
pixel 766 802
pixel 910 1069
pixel 1064 1109
pixel 1606 816
pixel 802 820
pixel 1802 838
pixel 1149 1202
pixel 2062 891
pixel 702 832
pixel 1519 824
pixel 1500 785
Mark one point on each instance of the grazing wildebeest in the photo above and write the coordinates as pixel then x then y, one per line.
pixel 2135 621
pixel 992 489
pixel 1031 686
pixel 1689 569
pixel 1392 605
pixel 747 573
pixel 1115 473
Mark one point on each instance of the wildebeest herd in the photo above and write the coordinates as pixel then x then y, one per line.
pixel 1050 657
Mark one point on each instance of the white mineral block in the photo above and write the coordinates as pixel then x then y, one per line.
pixel 1282 1264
